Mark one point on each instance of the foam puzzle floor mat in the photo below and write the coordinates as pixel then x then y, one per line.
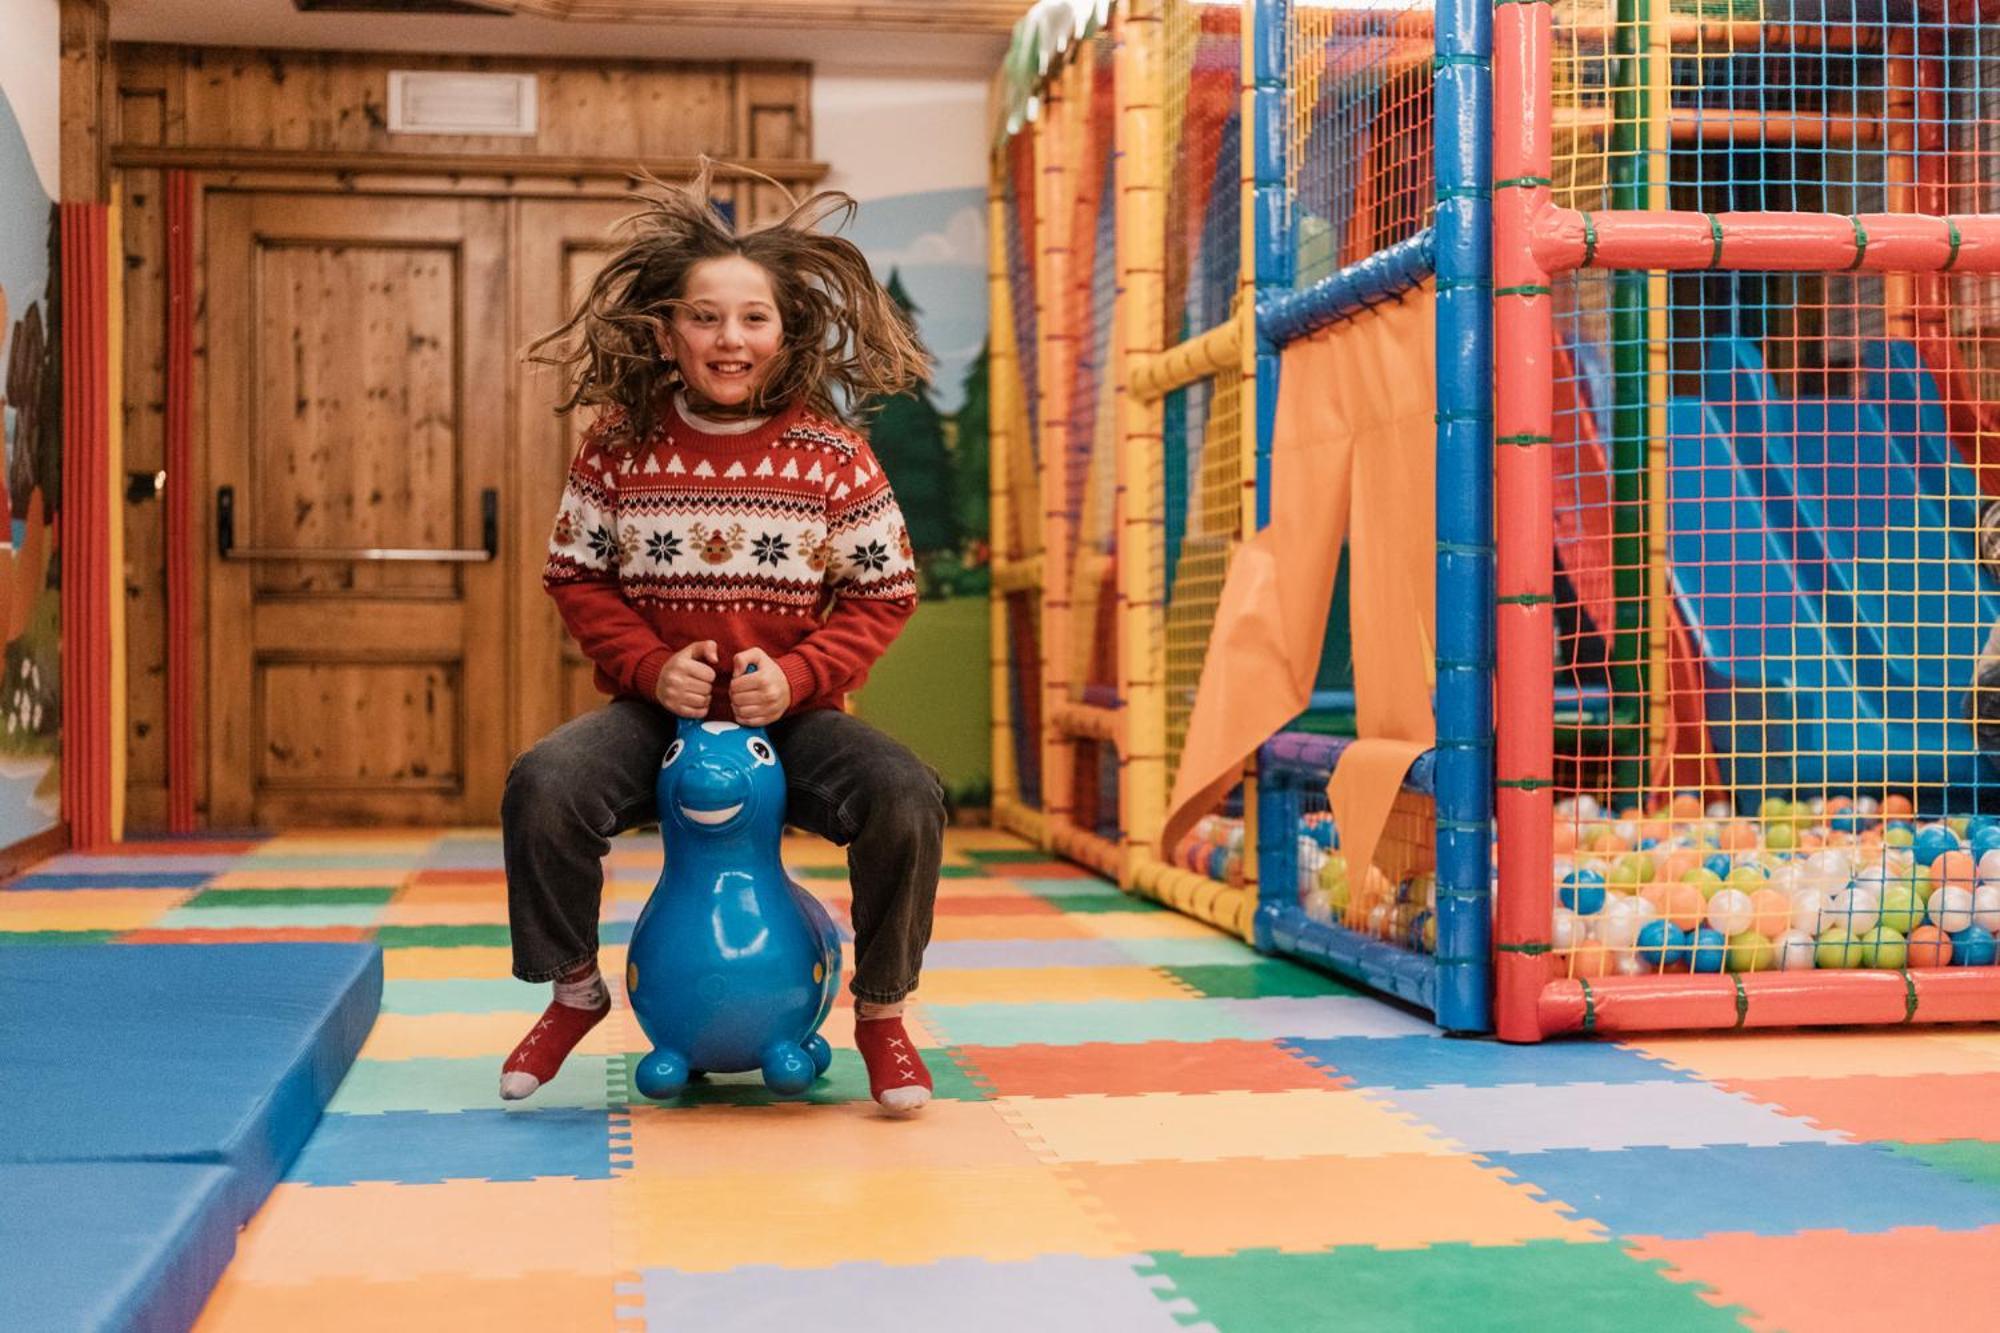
pixel 1140 1124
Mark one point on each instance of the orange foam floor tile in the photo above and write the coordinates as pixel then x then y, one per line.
pixel 1920 1108
pixel 813 1219
pixel 439 878
pixel 1160 925
pixel 853 1136
pixel 1320 1202
pixel 361 877
pixel 529 1303
pixel 1818 1054
pixel 951 926
pixel 471 962
pixel 457 1036
pixel 462 1228
pixel 253 935
pixel 1829 1281
pixel 449 893
pixel 87 909
pixel 1199 1127
pixel 1128 1068
pixel 1065 985
pixel 997 904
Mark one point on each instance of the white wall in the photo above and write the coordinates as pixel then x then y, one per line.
pixel 31 81
pixel 889 132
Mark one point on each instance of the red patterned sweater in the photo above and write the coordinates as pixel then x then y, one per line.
pixel 785 538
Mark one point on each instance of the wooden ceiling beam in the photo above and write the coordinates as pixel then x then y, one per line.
pixel 914 16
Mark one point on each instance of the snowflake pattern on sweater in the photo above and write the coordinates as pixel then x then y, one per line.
pixel 754 539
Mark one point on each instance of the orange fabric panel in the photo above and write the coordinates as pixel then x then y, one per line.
pixel 1352 460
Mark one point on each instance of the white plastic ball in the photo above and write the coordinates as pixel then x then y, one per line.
pixel 1855 909
pixel 1989 867
pixel 1719 810
pixel 1950 909
pixel 1626 963
pixel 1566 931
pixel 1794 951
pixel 1986 907
pixel 1730 912
pixel 1808 912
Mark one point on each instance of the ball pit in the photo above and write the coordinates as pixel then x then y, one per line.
pixel 1821 882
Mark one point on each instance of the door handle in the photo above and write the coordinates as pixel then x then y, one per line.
pixel 488 549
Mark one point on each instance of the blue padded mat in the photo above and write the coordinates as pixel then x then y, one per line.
pixel 220 1053
pixel 112 1245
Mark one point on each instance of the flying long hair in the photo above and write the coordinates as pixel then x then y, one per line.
pixel 845 341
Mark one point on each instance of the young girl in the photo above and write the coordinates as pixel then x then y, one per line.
pixel 723 515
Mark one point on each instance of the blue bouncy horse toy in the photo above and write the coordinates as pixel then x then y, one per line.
pixel 732 966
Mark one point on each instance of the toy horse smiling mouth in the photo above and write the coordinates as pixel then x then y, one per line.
pixel 732 966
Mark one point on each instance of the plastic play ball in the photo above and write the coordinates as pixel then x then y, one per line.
pixel 1973 947
pixel 1929 947
pixel 1586 960
pixel 1832 868
pixel 1661 943
pixel 1770 912
pixel 1704 881
pixel 1748 878
pixel 1582 892
pixel 1932 841
pixel 1899 835
pixel 1903 907
pixel 1719 865
pixel 1566 931
pixel 1985 838
pixel 1684 905
pixel 1950 910
pixel 1751 952
pixel 1730 911
pixel 1838 948
pixel 1988 869
pixel 1854 909
pixel 1809 911
pixel 1954 868
pixel 1986 907
pixel 1707 948
pixel 1781 838
pixel 1884 947
pixel 1794 950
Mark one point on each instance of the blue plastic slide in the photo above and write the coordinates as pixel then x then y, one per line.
pixel 1824 553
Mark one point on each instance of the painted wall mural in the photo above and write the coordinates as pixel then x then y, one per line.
pixel 31 407
pixel 931 690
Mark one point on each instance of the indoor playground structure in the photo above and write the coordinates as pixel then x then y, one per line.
pixel 1486 499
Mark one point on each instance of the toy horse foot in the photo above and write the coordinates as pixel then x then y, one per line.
pixel 788 1070
pixel 820 1050
pixel 661 1075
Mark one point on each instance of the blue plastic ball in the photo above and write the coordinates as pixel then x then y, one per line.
pixel 1661 942
pixel 1218 863
pixel 1974 947
pixel 1720 865
pixel 1931 842
pixel 1706 948
pixel 1323 833
pixel 1582 892
pixel 1985 838
pixel 1851 821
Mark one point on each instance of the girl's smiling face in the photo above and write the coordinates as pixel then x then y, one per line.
pixel 726 330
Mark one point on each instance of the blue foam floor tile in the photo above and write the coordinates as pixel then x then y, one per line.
pixel 1683 1194
pixel 1601 1116
pixel 1426 1062
pixel 111 878
pixel 1026 953
pixel 615 932
pixel 471 1083
pixel 1052 1294
pixel 415 1148
pixel 1193 952
pixel 462 995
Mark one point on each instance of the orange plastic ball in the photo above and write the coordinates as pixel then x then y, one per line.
pixel 1684 905
pixel 1954 868
pixel 1738 836
pixel 1897 806
pixel 1686 807
pixel 1929 947
pixel 1565 839
pixel 1589 960
pixel 1770 912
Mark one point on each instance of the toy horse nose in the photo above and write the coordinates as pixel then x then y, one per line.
pixel 713 786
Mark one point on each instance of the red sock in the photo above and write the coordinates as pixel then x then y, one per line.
pixel 548 1043
pixel 896 1074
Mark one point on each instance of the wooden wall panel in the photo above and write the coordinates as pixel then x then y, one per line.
pixel 144 405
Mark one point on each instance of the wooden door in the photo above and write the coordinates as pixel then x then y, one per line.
pixel 357 394
pixel 562 243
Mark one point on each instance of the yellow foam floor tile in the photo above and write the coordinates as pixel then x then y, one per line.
pixel 471 963
pixel 813 1218
pixel 471 1228
pixel 348 842
pixel 629 890
pixel 456 1036
pixel 1199 1127
pixel 1017 927
pixel 402 912
pixel 1318 1203
pixel 853 1136
pixel 1160 925
pixel 442 893
pixel 1826 1054
pixel 1059 985
pixel 364 877
pixel 528 1303
pixel 87 909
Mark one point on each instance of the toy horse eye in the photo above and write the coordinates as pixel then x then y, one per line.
pixel 673 753
pixel 761 751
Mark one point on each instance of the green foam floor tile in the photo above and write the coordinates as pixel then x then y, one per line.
pixel 309 916
pixel 376 1087
pixel 1500 1287
pixel 443 937
pixel 1258 979
pixel 1006 855
pixel 817 872
pixel 1200 951
pixel 41 939
pixel 335 897
pixel 1968 1159
pixel 462 995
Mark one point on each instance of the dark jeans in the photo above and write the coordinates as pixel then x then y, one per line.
pixel 593 778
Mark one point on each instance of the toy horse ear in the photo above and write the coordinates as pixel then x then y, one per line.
pixel 684 727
